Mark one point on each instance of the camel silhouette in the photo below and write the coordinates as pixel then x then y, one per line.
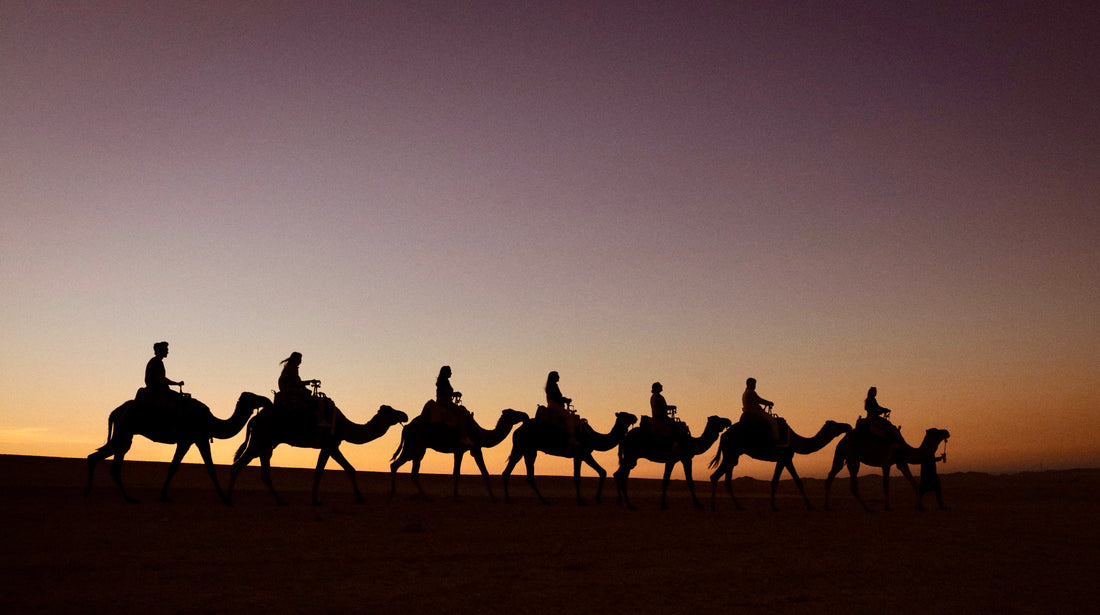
pixel 536 435
pixel 280 425
pixel 863 446
pixel 669 449
pixel 748 439
pixel 421 434
pixel 188 424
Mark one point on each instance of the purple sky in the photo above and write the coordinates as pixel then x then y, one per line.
pixel 826 196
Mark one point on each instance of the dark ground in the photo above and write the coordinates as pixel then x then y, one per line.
pixel 1022 543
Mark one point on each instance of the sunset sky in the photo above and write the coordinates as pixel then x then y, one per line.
pixel 824 196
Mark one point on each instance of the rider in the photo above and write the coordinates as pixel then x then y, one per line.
pixel 295 392
pixel 446 397
pixel 753 411
pixel 557 403
pixel 157 383
pixel 662 412
pixel 878 418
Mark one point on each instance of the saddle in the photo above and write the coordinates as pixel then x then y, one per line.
pixel 663 429
pixel 878 427
pixel 163 401
pixel 436 412
pixel 306 410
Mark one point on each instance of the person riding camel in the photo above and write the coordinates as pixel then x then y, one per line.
pixel 753 411
pixel 664 415
pixel 558 406
pixel 878 418
pixel 446 398
pixel 157 384
pixel 294 392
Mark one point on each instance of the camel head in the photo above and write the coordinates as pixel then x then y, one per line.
pixel 626 418
pixel 717 424
pixel 936 435
pixel 391 416
pixel 834 428
pixel 512 417
pixel 253 401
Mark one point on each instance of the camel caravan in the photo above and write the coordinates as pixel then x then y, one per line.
pixel 300 415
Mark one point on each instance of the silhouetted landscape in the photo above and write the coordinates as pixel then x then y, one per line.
pixel 1014 543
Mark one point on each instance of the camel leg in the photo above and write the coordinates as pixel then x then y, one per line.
pixel 414 475
pixel 853 476
pixel 479 458
pixel 350 471
pixel 577 480
pixel 908 474
pixel 686 463
pixel 664 484
pixel 318 472
pixel 177 457
pixel 240 463
pixel 725 468
pixel 513 460
pixel 457 472
pixel 100 454
pixel 798 483
pixel 265 476
pixel 208 461
pixel 116 467
pixel 394 466
pixel 838 463
pixel 775 482
pixel 592 463
pixel 529 463
pixel 886 487
pixel 621 477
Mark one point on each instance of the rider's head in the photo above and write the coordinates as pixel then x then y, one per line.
pixel 871 392
pixel 160 349
pixel 552 377
pixel 657 388
pixel 445 371
pixel 295 358
pixel 751 383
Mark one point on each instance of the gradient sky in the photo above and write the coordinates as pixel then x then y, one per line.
pixel 823 195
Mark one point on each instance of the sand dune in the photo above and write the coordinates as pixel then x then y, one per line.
pixel 1018 543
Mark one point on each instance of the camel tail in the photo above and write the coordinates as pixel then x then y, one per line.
pixel 400 447
pixel 717 458
pixel 244 445
pixel 112 420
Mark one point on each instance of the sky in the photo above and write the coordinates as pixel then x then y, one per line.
pixel 825 196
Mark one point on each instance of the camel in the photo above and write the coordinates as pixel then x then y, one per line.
pixel 278 425
pixel 747 439
pixel 643 443
pixel 537 435
pixel 189 423
pixel 421 434
pixel 863 446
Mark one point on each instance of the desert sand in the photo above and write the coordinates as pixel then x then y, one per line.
pixel 1020 543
